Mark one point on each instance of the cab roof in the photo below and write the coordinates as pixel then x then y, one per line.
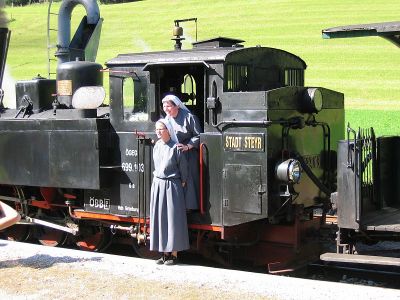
pixel 199 55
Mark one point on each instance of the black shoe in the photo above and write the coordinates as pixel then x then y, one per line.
pixel 172 260
pixel 161 260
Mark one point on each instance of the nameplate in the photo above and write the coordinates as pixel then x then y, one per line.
pixel 254 142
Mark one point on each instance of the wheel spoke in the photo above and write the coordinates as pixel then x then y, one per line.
pixel 51 237
pixel 18 233
pixel 97 240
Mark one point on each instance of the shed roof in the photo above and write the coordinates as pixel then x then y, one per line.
pixel 386 30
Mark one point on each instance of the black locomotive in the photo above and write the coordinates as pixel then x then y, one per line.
pixel 81 171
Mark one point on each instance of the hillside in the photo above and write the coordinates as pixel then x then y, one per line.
pixel 367 70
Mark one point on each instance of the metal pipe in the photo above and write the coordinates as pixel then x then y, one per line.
pixel 201 179
pixel 295 123
pixel 13 199
pixel 133 232
pixel 312 176
pixel 71 213
pixel 243 123
pixel 130 229
pixel 51 225
pixel 5 39
pixel 64 24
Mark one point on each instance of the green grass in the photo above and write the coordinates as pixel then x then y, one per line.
pixel 366 70
pixel 384 122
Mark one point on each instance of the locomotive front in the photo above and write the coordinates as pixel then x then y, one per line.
pixel 277 144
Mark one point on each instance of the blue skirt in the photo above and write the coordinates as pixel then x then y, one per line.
pixel 168 223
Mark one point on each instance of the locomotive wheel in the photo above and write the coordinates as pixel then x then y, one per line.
pixel 96 240
pixel 51 237
pixel 18 233
pixel 143 251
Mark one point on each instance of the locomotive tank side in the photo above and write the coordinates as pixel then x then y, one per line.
pixel 52 149
pixel 46 141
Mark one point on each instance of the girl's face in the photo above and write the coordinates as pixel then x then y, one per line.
pixel 162 131
pixel 170 109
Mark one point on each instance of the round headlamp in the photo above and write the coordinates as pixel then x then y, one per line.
pixel 311 101
pixel 289 171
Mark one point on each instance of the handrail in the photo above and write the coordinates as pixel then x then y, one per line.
pixel 202 145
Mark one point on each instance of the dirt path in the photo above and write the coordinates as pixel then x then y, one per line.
pixel 30 271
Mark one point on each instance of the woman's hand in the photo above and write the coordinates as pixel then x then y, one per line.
pixel 183 183
pixel 184 148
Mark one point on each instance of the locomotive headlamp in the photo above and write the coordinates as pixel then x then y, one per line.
pixel 289 171
pixel 88 97
pixel 312 100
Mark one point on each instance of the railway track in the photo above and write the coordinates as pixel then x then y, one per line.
pixel 353 273
pixel 369 274
pixel 386 274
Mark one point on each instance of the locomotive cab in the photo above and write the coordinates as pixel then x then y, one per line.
pixel 267 151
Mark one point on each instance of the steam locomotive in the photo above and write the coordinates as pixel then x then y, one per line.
pixel 80 171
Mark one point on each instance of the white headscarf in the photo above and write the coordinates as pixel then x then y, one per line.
pixel 176 100
pixel 171 130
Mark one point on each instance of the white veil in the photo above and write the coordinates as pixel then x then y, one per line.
pixel 176 100
pixel 171 130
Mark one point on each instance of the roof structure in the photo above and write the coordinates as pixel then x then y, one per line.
pixel 201 55
pixel 218 42
pixel 387 30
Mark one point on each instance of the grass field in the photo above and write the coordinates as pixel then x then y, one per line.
pixel 366 70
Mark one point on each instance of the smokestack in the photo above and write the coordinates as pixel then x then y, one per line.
pixel 4 41
pixel 90 23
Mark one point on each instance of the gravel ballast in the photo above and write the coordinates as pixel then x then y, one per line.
pixel 30 271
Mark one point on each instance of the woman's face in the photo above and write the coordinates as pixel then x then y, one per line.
pixel 170 109
pixel 162 131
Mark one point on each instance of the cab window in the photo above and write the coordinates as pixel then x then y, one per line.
pixel 294 77
pixel 188 90
pixel 236 78
pixel 135 98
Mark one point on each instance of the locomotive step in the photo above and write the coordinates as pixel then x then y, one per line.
pixel 360 259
